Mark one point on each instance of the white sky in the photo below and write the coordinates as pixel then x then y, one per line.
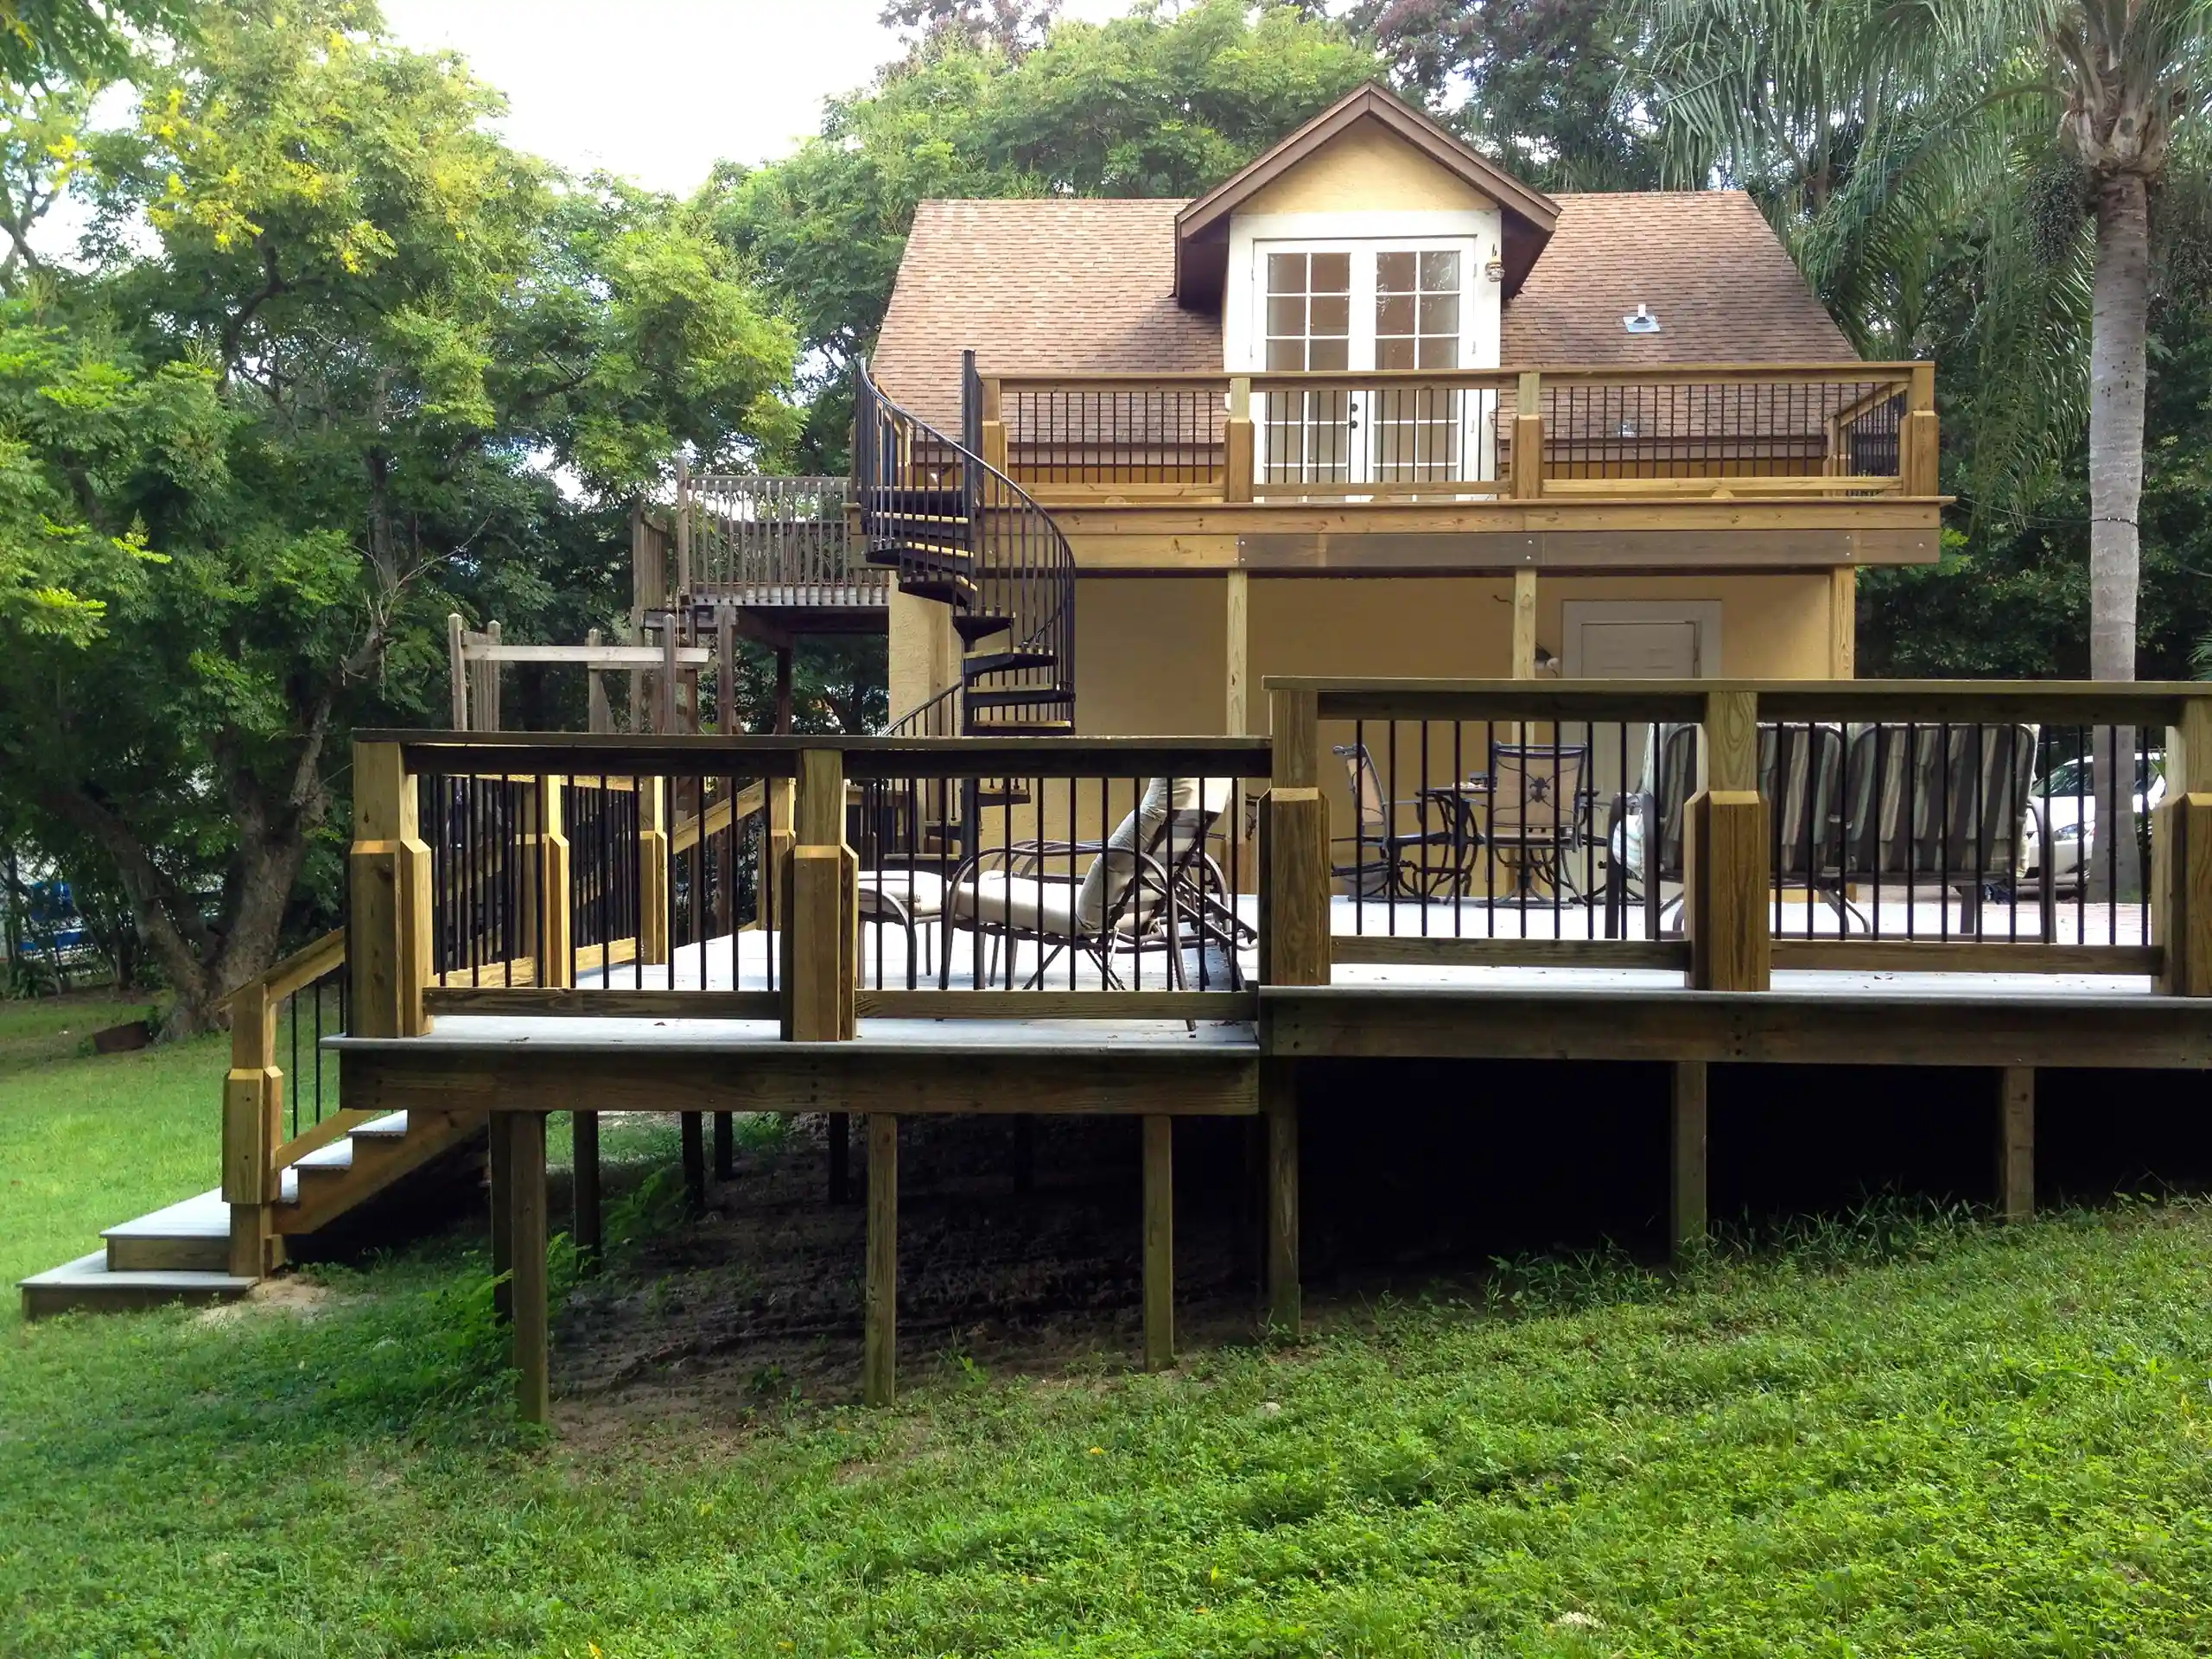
pixel 660 90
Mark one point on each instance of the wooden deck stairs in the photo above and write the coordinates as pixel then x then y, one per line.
pixel 215 1247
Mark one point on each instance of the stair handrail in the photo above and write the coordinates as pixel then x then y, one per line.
pixel 255 1148
pixel 938 717
pixel 1041 584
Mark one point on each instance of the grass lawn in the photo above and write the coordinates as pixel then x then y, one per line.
pixel 1898 1437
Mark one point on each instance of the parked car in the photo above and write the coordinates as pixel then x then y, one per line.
pixel 2069 805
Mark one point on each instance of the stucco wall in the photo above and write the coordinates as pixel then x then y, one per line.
pixel 1366 169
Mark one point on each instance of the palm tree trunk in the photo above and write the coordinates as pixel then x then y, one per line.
pixel 2119 306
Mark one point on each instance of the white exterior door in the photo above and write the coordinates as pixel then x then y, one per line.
pixel 1347 309
pixel 1636 639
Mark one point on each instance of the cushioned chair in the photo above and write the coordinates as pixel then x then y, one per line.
pixel 1146 886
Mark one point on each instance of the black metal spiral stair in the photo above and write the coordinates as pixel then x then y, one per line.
pixel 959 532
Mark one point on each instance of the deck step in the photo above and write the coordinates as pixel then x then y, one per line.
pixel 922 498
pixel 89 1285
pixel 192 1235
pixel 978 662
pixel 972 626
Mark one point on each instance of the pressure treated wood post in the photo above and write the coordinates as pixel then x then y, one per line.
pixel 652 870
pixel 1687 1173
pixel 879 1335
pixel 589 1223
pixel 1237 473
pixel 821 940
pixel 526 1249
pixel 1159 1242
pixel 1527 480
pixel 1293 877
pixel 556 935
pixel 695 1159
pixel 499 1169
pixel 2180 857
pixel 1524 623
pixel 253 1116
pixel 1725 854
pixel 1279 1106
pixel 2016 1142
pixel 388 894
pixel 1918 456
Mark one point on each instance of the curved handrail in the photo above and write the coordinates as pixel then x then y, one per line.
pixel 1017 563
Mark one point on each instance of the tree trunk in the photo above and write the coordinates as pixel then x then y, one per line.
pixel 2120 298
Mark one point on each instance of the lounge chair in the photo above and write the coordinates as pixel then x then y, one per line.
pixel 1147 886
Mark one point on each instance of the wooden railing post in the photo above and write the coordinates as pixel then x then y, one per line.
pixel 556 958
pixel 1917 454
pixel 994 425
pixel 780 802
pixel 1236 441
pixel 1724 854
pixel 821 938
pixel 253 1109
pixel 1529 437
pixel 388 895
pixel 1293 876
pixel 2180 857
pixel 652 869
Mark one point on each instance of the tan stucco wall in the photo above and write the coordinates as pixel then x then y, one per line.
pixel 923 655
pixel 1366 169
pixel 1151 656
pixel 1772 627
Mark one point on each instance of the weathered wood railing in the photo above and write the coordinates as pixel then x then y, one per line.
pixel 1727 829
pixel 1741 430
pixel 265 1030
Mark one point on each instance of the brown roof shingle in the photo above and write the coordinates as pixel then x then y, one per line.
pixel 1707 264
pixel 1040 286
pixel 1036 286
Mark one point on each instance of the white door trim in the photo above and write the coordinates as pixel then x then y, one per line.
pixel 1704 614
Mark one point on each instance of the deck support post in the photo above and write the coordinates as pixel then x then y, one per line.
pixel 388 892
pixel 2016 1142
pixel 1159 1242
pixel 1725 854
pixel 1279 1106
pixel 880 1339
pixel 1687 1176
pixel 840 1126
pixel 1524 623
pixel 589 1223
pixel 526 1249
pixel 725 1147
pixel 695 1159
pixel 2180 857
pixel 500 1180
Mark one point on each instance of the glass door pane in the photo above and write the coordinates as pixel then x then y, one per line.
pixel 1417 432
pixel 1306 436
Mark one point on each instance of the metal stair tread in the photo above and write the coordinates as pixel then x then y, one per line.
pixel 1009 696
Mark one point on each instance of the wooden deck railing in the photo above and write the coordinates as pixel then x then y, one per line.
pixel 1741 430
pixel 1726 829
pixel 265 1031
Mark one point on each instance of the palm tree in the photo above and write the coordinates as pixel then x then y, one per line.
pixel 1976 129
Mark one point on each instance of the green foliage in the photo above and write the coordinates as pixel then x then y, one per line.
pixel 45 40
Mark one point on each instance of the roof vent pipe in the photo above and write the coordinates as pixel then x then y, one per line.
pixel 1643 322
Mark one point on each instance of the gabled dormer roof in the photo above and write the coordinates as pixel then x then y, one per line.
pixel 1202 228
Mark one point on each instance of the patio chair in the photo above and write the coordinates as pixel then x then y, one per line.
pixel 1150 882
pixel 1434 859
pixel 1540 810
pixel 1800 774
pixel 1945 804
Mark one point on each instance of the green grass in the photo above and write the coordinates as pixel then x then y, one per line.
pixel 1915 1434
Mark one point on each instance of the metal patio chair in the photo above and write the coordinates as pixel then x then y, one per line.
pixel 1540 808
pixel 1435 859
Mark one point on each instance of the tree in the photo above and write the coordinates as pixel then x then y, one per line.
pixel 43 41
pixel 376 366
pixel 1558 91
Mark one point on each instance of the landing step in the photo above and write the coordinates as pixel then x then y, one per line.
pixel 88 1283
pixel 192 1234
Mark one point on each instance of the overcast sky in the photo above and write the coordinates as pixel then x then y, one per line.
pixel 660 90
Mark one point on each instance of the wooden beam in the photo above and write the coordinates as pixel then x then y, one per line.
pixel 499 1186
pixel 1235 615
pixel 1687 1173
pixel 526 1249
pixel 458 670
pixel 880 1337
pixel 1527 463
pixel 1159 1242
pixel 1538 952
pixel 2016 1142
pixel 1294 736
pixel 589 1224
pixel 1279 1105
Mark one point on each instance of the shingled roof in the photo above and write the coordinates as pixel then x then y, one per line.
pixel 1059 284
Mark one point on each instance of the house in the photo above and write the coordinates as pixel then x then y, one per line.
pixel 1374 406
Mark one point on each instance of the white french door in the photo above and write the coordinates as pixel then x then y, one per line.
pixel 1349 308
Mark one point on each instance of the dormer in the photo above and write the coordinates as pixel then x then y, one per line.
pixel 1369 238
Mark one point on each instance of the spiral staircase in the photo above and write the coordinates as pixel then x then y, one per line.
pixel 958 530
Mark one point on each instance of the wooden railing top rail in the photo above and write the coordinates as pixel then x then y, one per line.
pixel 865 758
pixel 1840 372
pixel 300 969
pixel 2141 703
